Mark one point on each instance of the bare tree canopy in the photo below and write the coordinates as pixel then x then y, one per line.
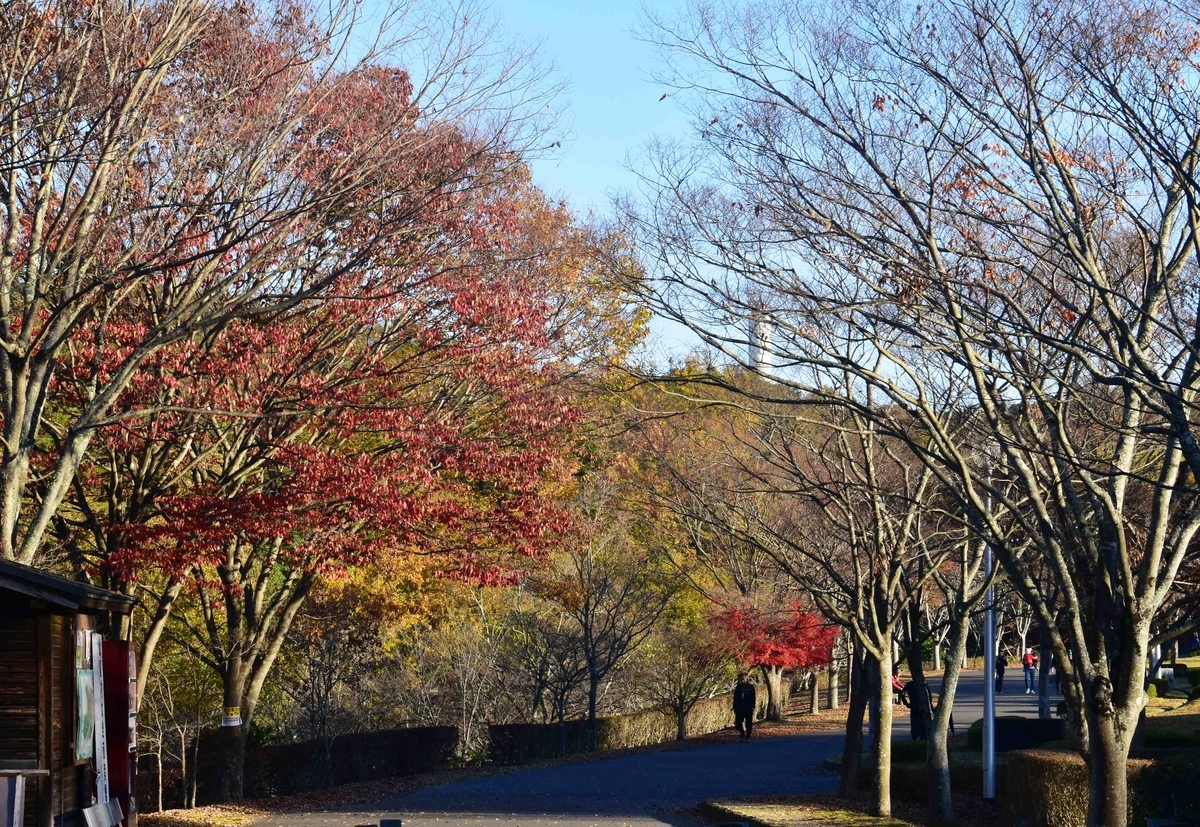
pixel 973 224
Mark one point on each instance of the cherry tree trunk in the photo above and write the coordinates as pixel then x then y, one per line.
pixel 848 784
pixel 774 678
pixel 881 793
pixel 230 760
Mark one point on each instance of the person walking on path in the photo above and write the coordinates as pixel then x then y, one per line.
pixel 1029 663
pixel 1001 665
pixel 744 701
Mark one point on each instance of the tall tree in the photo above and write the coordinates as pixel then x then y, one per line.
pixel 777 640
pixel 985 214
pixel 172 165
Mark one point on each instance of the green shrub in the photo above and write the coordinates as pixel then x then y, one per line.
pixel 1171 739
pixel 1152 690
pixel 1049 788
pixel 1062 744
pixel 905 751
pixel 910 783
pixel 975 731
pixel 1165 789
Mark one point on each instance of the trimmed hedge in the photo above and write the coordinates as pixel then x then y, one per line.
pixel 1015 732
pixel 1048 788
pixel 287 769
pixel 521 743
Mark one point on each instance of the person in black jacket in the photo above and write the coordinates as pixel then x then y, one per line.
pixel 743 706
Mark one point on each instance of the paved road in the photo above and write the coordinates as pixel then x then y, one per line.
pixel 633 791
pixel 968 701
pixel 639 790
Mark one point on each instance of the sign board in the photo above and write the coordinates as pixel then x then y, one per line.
pixel 101 735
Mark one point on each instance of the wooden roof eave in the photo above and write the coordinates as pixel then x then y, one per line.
pixel 62 592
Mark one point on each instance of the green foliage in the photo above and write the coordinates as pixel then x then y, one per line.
pixel 1152 691
pixel 1171 739
pixel 1166 789
pixel 975 731
pixel 905 751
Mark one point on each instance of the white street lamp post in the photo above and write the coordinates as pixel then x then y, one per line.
pixel 989 674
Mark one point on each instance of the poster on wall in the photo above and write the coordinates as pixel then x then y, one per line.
pixel 101 729
pixel 85 714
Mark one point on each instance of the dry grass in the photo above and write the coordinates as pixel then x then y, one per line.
pixel 1183 718
pixel 247 812
pixel 828 811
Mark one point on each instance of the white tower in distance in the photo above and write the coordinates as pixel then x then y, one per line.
pixel 760 344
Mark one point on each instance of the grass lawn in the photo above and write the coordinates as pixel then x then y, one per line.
pixel 1183 718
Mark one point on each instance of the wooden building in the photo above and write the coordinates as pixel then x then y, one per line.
pixel 67 698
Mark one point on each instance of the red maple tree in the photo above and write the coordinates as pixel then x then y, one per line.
pixel 794 638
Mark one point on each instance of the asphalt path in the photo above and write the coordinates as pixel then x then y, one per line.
pixel 632 791
pixel 641 790
pixel 968 700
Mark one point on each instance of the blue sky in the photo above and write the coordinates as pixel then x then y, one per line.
pixel 611 109
pixel 611 106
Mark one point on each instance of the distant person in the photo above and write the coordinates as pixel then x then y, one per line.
pixel 744 701
pixel 1029 664
pixel 919 700
pixel 897 686
pixel 1057 675
pixel 1001 665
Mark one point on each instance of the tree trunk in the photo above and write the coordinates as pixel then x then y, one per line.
pixel 183 770
pixel 231 740
pixel 162 611
pixel 937 754
pixel 681 723
pixel 1044 657
pixel 593 690
pixel 848 785
pixel 937 656
pixel 158 761
pixel 834 701
pixel 230 764
pixel 1108 802
pixel 872 704
pixel 881 795
pixel 774 678
pixel 921 718
pixel 814 693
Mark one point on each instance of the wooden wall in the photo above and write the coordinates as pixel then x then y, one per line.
pixel 19 699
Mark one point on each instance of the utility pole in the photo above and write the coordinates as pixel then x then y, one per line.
pixel 989 670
